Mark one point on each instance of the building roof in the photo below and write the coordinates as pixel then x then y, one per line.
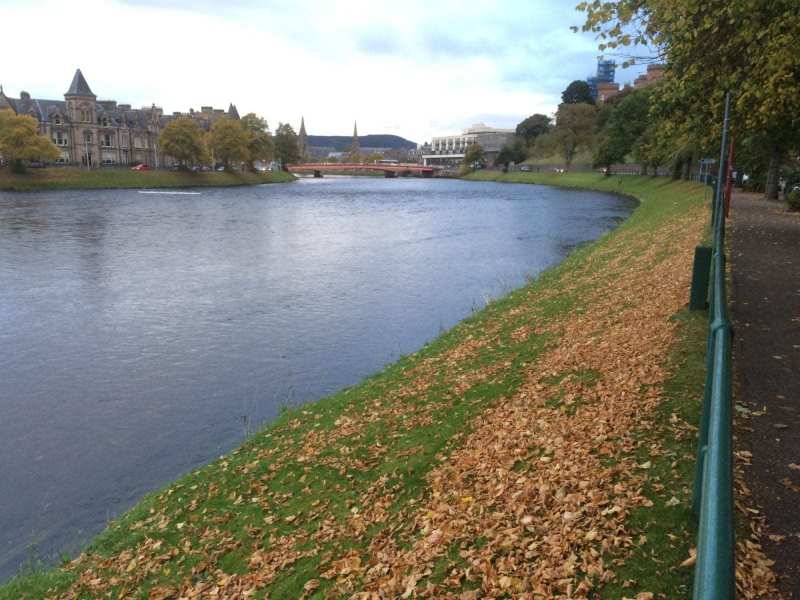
pixel 79 87
pixel 232 112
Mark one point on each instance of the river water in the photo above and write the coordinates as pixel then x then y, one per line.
pixel 141 334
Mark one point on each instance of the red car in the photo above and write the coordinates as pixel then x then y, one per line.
pixel 140 168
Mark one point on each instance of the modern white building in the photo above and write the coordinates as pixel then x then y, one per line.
pixel 449 150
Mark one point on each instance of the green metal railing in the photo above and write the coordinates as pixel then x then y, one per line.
pixel 714 576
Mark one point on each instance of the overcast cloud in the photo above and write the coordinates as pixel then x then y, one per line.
pixel 412 68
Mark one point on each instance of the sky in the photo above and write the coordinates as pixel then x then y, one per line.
pixel 411 68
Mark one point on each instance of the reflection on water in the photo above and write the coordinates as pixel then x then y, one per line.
pixel 140 334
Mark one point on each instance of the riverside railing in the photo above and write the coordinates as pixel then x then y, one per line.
pixel 714 575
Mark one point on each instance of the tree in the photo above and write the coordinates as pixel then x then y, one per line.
pixel 575 129
pixel 625 124
pixel 713 46
pixel 20 141
pixel 228 141
pixel 287 149
pixel 474 158
pixel 533 127
pixel 182 139
pixel 512 152
pixel 259 142
pixel 577 92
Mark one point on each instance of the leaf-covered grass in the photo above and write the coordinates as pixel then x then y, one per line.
pixel 667 530
pixel 57 178
pixel 308 505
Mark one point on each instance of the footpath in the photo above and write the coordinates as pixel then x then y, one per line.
pixel 766 312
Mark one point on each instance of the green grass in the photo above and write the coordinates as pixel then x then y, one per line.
pixel 410 417
pixel 55 178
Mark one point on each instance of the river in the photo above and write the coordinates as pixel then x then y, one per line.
pixel 144 334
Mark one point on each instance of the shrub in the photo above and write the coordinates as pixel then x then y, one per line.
pixel 794 200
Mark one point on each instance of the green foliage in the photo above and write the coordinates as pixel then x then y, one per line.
pixel 182 139
pixel 259 141
pixel 626 122
pixel 474 158
pixel 711 46
pixel 229 141
pixel 20 141
pixel 514 151
pixel 287 149
pixel 577 92
pixel 533 127
pixel 793 199
pixel 575 128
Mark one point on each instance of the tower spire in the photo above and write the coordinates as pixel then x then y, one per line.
pixel 355 148
pixel 302 139
pixel 79 87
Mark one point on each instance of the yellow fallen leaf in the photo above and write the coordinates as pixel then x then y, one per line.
pixel 690 562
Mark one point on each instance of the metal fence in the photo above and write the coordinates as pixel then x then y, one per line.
pixel 714 576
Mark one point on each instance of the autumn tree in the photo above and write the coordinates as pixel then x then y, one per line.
pixel 182 139
pixel 287 150
pixel 711 47
pixel 229 141
pixel 259 140
pixel 474 158
pixel 21 142
pixel 577 92
pixel 533 127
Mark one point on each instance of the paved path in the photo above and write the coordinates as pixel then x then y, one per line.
pixel 766 313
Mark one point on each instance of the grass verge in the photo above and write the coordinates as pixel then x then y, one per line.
pixel 397 485
pixel 79 179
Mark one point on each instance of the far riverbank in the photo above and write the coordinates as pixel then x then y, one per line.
pixel 80 179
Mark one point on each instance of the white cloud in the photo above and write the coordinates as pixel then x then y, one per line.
pixel 415 69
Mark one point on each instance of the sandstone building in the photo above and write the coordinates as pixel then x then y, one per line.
pixel 92 133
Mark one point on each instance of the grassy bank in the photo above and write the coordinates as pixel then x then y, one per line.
pixel 80 179
pixel 543 446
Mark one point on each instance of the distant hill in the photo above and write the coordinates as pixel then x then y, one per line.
pixel 342 143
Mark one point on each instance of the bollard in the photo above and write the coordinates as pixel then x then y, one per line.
pixel 701 269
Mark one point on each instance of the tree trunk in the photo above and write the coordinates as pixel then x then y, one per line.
pixel 773 171
pixel 687 172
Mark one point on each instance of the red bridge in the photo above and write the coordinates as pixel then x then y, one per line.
pixel 389 170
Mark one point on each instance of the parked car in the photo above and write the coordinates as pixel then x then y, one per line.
pixel 524 167
pixel 140 168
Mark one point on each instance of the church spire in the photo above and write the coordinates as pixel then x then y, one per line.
pixel 355 148
pixel 302 139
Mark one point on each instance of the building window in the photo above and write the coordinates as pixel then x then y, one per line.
pixel 87 136
pixel 106 140
pixel 57 120
pixel 59 138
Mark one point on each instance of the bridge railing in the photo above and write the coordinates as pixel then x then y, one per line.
pixel 714 576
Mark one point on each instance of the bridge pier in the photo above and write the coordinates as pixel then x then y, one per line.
pixel 317 174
